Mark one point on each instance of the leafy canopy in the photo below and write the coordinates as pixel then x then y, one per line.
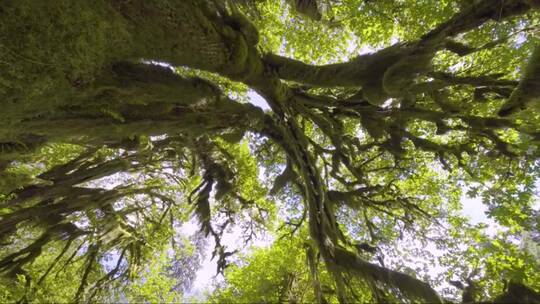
pixel 125 121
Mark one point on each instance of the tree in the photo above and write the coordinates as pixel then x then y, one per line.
pixel 119 117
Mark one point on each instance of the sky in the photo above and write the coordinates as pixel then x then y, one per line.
pixel 257 100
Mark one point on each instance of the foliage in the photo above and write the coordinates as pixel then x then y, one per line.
pixel 154 286
pixel 124 120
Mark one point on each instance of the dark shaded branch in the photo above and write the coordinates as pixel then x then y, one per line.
pixel 477 14
pixel 368 70
pixel 133 99
pixel 528 90
pixel 410 286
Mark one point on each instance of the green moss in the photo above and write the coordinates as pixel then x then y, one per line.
pixel 51 48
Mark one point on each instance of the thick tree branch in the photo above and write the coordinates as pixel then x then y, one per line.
pixel 410 286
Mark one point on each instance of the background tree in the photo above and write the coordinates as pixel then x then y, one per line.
pixel 120 117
